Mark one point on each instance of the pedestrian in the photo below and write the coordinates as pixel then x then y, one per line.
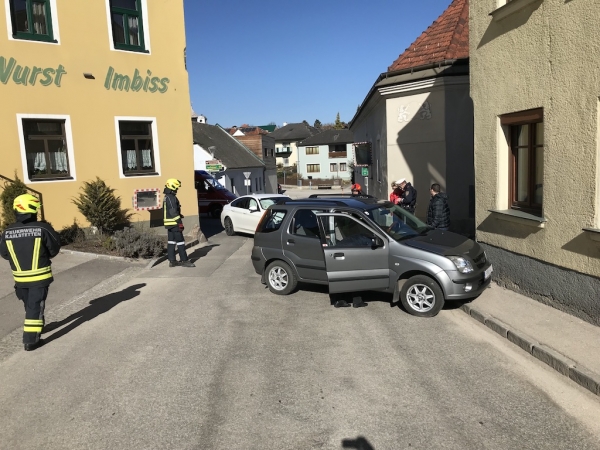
pixel 29 245
pixel 438 213
pixel 408 201
pixel 396 193
pixel 356 189
pixel 172 219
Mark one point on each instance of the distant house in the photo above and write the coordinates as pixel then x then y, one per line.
pixel 325 155
pixel 258 140
pixel 286 141
pixel 213 146
pixel 418 118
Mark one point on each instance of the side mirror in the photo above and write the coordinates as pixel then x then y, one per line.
pixel 376 242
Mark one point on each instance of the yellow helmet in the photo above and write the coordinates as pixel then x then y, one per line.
pixel 173 184
pixel 26 204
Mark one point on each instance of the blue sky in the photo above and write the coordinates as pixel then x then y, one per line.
pixel 280 61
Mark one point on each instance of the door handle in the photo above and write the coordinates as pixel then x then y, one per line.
pixel 291 242
pixel 338 256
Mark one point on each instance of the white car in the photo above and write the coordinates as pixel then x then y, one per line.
pixel 243 214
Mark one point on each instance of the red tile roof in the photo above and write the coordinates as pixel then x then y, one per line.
pixel 446 38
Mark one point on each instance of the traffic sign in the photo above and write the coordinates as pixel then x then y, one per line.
pixel 247 182
pixel 247 174
pixel 365 171
pixel 214 167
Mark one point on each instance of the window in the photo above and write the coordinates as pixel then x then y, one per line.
pixel 46 149
pixel 526 134
pixel 137 150
pixel 346 232
pixel 305 224
pixel 127 25
pixel 271 221
pixel 343 167
pixel 312 168
pixel 32 20
pixel 253 205
pixel 333 167
pixel 312 150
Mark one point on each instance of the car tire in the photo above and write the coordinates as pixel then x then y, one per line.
pixel 215 211
pixel 280 277
pixel 421 296
pixel 228 225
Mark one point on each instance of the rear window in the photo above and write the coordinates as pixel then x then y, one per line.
pixel 271 221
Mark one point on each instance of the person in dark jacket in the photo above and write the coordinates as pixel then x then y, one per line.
pixel 409 199
pixel 29 245
pixel 438 213
pixel 172 221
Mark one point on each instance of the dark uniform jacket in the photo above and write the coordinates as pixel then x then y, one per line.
pixel 409 201
pixel 171 209
pixel 438 213
pixel 28 245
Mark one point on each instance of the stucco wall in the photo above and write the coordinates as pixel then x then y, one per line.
pixel 322 158
pixel 84 47
pixel 543 56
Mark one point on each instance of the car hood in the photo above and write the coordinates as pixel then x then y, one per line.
pixel 445 243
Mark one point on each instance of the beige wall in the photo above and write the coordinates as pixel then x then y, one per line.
pixel 85 47
pixel 542 56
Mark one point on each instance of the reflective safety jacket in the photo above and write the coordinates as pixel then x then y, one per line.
pixel 171 209
pixel 28 245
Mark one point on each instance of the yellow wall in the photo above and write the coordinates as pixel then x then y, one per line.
pixel 85 47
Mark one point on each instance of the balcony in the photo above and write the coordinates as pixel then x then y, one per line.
pixel 283 152
pixel 337 154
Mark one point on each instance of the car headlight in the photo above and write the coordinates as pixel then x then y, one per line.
pixel 463 265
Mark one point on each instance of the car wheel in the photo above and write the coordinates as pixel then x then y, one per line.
pixel 281 279
pixel 215 211
pixel 228 226
pixel 421 296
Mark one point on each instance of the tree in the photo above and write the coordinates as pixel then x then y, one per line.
pixel 338 125
pixel 305 123
pixel 11 191
pixel 317 124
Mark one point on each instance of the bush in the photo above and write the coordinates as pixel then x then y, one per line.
pixel 71 233
pixel 133 243
pixel 11 190
pixel 101 207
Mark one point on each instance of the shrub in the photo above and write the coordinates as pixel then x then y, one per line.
pixel 11 190
pixel 133 243
pixel 71 233
pixel 101 207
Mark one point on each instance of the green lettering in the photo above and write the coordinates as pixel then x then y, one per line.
pixel 138 82
pixel 164 87
pixel 34 73
pixel 147 80
pixel 121 82
pixel 6 69
pixel 20 75
pixel 47 81
pixel 59 73
pixel 153 86
pixel 109 75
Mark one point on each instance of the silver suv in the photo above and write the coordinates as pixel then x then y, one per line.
pixel 360 244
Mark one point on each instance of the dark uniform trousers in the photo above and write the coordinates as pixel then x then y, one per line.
pixel 34 300
pixel 175 241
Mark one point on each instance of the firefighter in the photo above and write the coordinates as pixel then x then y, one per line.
pixel 172 220
pixel 29 245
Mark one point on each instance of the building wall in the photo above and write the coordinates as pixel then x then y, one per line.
pixel 324 161
pixel 90 108
pixel 530 59
pixel 292 159
pixel 262 146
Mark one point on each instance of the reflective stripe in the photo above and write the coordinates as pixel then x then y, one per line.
pixel 30 273
pixel 36 254
pixel 32 329
pixel 181 243
pixel 171 242
pixel 31 276
pixel 11 250
pixel 169 221
pixel 33 325
pixel 34 322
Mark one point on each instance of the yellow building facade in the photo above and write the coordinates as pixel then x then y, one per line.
pixel 95 89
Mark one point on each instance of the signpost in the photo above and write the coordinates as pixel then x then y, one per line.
pixel 247 181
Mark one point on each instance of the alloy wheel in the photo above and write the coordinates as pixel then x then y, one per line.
pixel 420 297
pixel 278 278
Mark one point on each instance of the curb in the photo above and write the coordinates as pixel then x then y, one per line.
pixel 100 256
pixel 157 261
pixel 559 362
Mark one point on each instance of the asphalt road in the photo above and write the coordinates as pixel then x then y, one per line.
pixel 208 358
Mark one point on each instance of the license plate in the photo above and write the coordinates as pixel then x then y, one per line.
pixel 488 273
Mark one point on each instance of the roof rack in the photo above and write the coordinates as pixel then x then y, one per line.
pixel 341 195
pixel 307 200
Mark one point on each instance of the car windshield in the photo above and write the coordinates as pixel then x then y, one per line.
pixel 266 202
pixel 397 223
pixel 215 184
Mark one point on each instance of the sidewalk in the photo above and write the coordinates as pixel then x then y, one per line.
pixel 568 344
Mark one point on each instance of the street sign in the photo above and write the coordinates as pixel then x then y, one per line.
pixel 214 167
pixel 247 182
pixel 247 174
pixel 365 171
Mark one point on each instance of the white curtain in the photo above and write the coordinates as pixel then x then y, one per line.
pixel 147 158
pixel 58 161
pixel 133 31
pixel 131 160
pixel 39 18
pixel 36 161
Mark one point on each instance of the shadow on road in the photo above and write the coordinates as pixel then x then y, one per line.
pixel 360 443
pixel 199 253
pixel 96 307
pixel 210 226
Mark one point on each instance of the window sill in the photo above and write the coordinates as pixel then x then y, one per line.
pixel 34 38
pixel 593 233
pixel 145 174
pixel 510 8
pixel 520 217
pixel 37 180
pixel 131 49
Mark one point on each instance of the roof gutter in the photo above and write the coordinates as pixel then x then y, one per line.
pixel 411 70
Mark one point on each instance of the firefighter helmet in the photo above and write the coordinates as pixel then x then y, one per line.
pixel 173 184
pixel 26 204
